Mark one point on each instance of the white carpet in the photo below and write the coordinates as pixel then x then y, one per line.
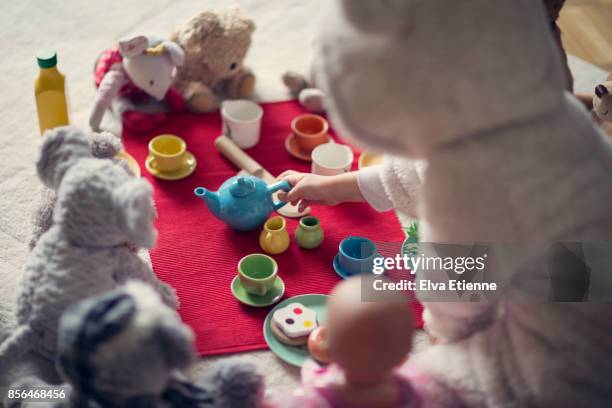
pixel 79 30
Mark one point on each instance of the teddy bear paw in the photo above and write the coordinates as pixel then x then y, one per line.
pixel 246 85
pixel 202 100
pixel 294 82
pixel 140 122
pixel 240 85
pixel 313 100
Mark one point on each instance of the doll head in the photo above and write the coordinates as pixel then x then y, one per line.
pixel 216 44
pixel 150 63
pixel 367 339
pixel 123 345
pixel 99 204
pixel 602 101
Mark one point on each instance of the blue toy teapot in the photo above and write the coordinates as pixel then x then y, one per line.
pixel 243 202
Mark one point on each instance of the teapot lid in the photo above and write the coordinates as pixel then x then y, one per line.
pixel 242 187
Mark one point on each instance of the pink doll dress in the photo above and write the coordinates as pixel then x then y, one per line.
pixel 112 80
pixel 112 59
pixel 319 389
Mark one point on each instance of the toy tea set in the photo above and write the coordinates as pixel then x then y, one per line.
pixel 245 202
pixel 294 329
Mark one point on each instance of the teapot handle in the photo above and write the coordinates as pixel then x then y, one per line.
pixel 273 188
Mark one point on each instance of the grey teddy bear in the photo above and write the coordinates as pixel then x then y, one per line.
pixel 124 348
pixel 101 213
pixel 104 145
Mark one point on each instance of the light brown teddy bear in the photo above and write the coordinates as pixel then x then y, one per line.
pixel 215 44
pixel 602 101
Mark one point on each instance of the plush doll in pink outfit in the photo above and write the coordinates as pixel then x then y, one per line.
pixel 367 343
pixel 133 72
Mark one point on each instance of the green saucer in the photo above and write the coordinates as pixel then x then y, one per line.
pixel 293 355
pixel 273 295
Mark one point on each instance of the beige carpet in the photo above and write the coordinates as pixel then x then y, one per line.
pixel 79 30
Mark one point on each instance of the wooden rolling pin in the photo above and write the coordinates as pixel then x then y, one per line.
pixel 243 161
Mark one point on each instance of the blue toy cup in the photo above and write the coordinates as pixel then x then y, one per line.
pixel 356 255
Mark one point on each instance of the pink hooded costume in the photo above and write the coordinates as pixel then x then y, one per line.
pixel 474 91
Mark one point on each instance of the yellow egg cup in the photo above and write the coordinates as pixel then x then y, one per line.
pixel 274 238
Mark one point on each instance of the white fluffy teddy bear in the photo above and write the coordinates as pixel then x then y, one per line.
pixel 104 145
pixel 102 213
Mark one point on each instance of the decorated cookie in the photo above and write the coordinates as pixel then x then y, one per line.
pixel 283 338
pixel 295 320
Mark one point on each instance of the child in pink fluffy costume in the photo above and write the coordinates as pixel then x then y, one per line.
pixel 474 91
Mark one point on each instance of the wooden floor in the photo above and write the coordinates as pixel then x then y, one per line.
pixel 587 30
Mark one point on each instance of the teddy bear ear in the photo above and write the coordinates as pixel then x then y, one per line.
pixel 240 15
pixel 87 324
pixel 109 316
pixel 175 52
pixel 131 47
pixel 61 148
pixel 105 145
pixel 205 24
pixel 250 25
pixel 133 204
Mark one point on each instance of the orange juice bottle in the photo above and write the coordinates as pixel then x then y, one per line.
pixel 49 91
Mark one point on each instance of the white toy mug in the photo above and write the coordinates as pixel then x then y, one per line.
pixel 331 158
pixel 242 121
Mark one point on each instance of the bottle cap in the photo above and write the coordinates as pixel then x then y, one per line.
pixel 46 58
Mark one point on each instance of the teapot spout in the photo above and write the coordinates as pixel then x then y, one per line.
pixel 209 197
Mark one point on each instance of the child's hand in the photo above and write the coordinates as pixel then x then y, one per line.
pixel 322 190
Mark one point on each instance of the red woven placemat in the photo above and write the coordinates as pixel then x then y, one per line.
pixel 197 254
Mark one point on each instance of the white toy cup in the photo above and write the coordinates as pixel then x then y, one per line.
pixel 242 121
pixel 331 158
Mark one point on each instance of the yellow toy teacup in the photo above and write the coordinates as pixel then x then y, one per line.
pixel 167 153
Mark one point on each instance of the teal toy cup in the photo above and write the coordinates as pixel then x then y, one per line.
pixel 356 255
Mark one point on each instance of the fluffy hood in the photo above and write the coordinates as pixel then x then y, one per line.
pixel 408 76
